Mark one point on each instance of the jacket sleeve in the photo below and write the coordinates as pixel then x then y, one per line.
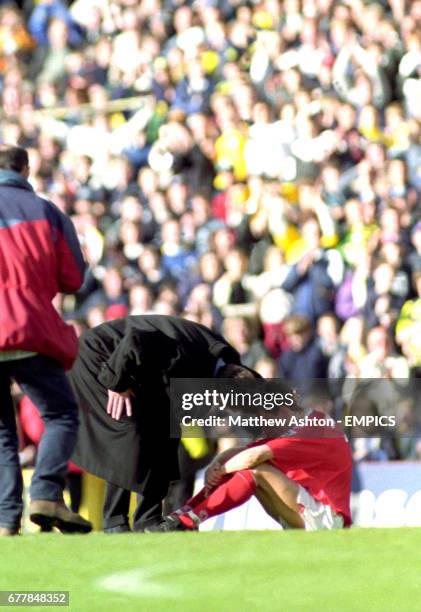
pixel 138 355
pixel 71 264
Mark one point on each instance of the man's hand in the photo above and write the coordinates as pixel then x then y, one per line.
pixel 119 403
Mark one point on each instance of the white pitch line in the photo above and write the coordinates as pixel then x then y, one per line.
pixel 158 580
pixel 145 581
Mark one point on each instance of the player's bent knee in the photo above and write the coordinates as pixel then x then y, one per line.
pixel 263 471
pixel 277 482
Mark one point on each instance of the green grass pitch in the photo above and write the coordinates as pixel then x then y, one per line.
pixel 361 570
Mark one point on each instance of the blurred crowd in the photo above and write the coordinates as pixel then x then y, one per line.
pixel 253 166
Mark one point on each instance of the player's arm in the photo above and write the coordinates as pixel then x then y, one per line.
pixel 243 459
pixel 247 459
pixel 223 456
pixel 213 472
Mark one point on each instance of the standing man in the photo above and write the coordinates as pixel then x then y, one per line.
pixel 39 257
pixel 121 379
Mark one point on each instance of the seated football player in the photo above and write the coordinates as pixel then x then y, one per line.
pixel 302 478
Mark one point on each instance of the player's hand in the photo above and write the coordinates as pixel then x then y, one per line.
pixel 119 404
pixel 213 475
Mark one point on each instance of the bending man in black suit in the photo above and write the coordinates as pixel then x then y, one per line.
pixel 121 380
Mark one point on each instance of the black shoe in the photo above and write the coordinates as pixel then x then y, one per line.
pixel 150 525
pixel 170 523
pixel 118 529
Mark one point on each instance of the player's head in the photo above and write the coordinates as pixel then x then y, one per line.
pixel 235 371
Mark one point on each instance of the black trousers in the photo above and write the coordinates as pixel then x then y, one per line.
pixel 181 490
pixel 150 504
pixel 148 508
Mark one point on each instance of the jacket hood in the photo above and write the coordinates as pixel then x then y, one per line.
pixel 11 178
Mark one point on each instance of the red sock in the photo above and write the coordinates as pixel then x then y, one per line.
pixel 233 492
pixel 192 502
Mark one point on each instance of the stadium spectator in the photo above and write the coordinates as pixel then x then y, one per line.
pixel 228 289
pixel 413 259
pixel 112 291
pixel 241 332
pixel 366 440
pixel 305 358
pixel 327 331
pixel 313 279
pixel 39 256
pixel 267 367
pixel 381 360
pixel 351 349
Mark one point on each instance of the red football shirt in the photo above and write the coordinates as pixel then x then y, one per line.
pixel 319 459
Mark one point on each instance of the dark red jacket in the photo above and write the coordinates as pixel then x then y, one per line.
pixel 40 256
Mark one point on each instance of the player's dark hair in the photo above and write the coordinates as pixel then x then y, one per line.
pixel 235 371
pixel 13 158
